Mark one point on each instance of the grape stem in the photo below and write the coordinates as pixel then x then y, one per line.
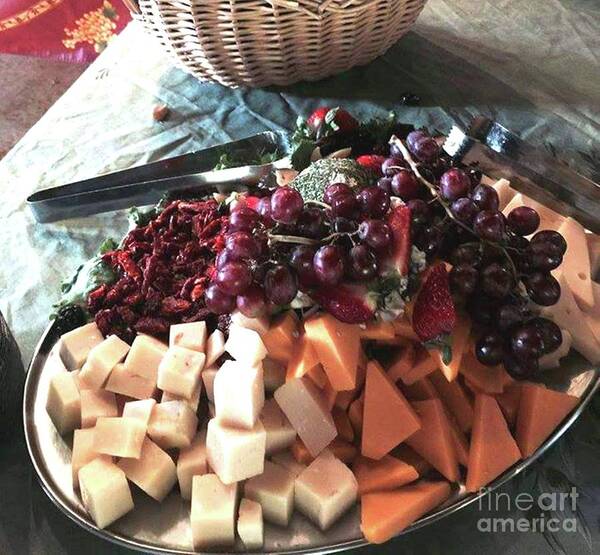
pixel 292 239
pixel 318 203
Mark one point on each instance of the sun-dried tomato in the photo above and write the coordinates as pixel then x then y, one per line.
pixel 171 306
pixel 152 326
pixel 96 298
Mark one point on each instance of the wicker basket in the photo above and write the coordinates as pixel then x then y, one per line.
pixel 275 42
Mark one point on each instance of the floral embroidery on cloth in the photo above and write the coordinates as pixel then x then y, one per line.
pixel 96 28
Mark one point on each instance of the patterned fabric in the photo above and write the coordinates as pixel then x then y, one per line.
pixel 70 30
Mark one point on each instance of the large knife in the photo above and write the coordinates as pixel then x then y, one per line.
pixel 502 154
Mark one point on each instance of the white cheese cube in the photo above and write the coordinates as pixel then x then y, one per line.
pixel 274 490
pixel 193 401
pixel 80 383
pixel 245 345
pixel 104 491
pixel 303 404
pixel 102 359
pixel 192 462
pixel 235 454
pixel 213 512
pixel 84 452
pixel 64 402
pixel 119 436
pixel 239 394
pixel 208 377
pixel 179 371
pixel 145 356
pixel 287 460
pixel 76 345
pixel 215 347
pixel 142 410
pixel 153 472
pixel 259 325
pixel 124 382
pixel 191 336
pixel 274 374
pixel 505 192
pixel 96 403
pixel 173 424
pixel 280 433
pixel 250 524
pixel 325 490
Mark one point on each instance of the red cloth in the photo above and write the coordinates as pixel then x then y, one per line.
pixel 70 30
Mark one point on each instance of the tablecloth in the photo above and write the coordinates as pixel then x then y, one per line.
pixel 532 65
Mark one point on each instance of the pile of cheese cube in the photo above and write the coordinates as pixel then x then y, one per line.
pixel 134 413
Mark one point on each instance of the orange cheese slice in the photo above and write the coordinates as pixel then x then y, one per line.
pixel 386 513
pixel 434 440
pixel 455 399
pixel 459 341
pixel 303 359
pixel 337 345
pixel 493 448
pixel 282 337
pixel 388 418
pixel 541 410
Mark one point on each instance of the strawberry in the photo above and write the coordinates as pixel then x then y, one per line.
pixel 352 304
pixel 399 219
pixel 346 122
pixel 371 162
pixel 316 119
pixel 434 313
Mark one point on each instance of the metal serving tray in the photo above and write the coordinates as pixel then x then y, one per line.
pixel 164 528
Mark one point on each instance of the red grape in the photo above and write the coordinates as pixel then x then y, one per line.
pixel 241 245
pixel 405 185
pixel 526 343
pixel 509 315
pixel 263 207
pixel 392 165
pixel 485 197
pixel 217 301
pixel 344 225
pixel 466 254
pixel 329 264
pixel 489 349
pixel 234 278
pixel 463 279
pixel 243 219
pixel 224 257
pixel 464 210
pixel 414 137
pixel 454 184
pixel 548 242
pixel 496 280
pixel 521 369
pixel 363 263
pixel 301 260
pixel 489 225
pixel 385 183
pixel 543 289
pixel 550 332
pixel 373 202
pixel 375 233
pixel 280 285
pixel 523 220
pixel 545 262
pixel 286 205
pixel 335 189
pixel 345 205
pixel 426 149
pixel 310 222
pixel 419 211
pixel 252 303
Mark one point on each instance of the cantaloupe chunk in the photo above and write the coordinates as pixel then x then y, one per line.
pixel 342 424
pixel 386 513
pixel 282 337
pixel 420 391
pixel 388 418
pixel 344 398
pixel 317 375
pixel 493 448
pixel 355 415
pixel 509 401
pixel 303 359
pixel 541 410
pixel 455 399
pixel 379 330
pixel 403 362
pixel 329 395
pixel 386 474
pixel 433 441
pixel 423 366
pixel 486 379
pixel 459 342
pixel 337 345
pixel 461 444
pixel 404 328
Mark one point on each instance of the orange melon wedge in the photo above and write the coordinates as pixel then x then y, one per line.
pixel 402 362
pixel 434 440
pixel 455 399
pixel 460 441
pixel 541 410
pixel 342 424
pixel 378 331
pixel 423 366
pixel 337 345
pixel 481 378
pixel 386 513
pixel 420 391
pixel 303 359
pixel 385 474
pixel 318 376
pixel 459 342
pixel 355 415
pixel 493 448
pixel 388 418
pixel 509 401
pixel 282 337
pixel 403 328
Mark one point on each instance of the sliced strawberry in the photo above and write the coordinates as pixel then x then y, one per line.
pixel 399 219
pixel 352 304
pixel 434 313
pixel 371 162
pixel 316 119
pixel 346 122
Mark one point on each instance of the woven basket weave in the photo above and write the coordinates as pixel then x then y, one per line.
pixel 275 42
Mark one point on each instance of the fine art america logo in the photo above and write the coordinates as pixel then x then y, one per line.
pixel 546 506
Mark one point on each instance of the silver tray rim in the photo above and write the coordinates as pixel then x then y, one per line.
pixel 40 354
